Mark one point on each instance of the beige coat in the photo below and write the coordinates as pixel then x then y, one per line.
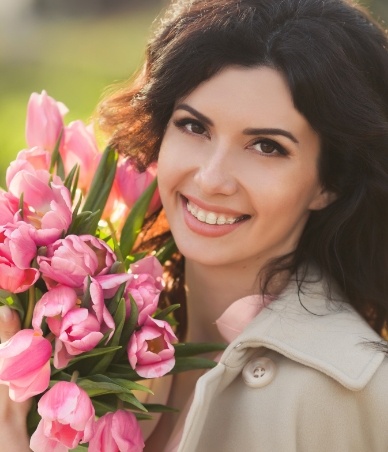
pixel 302 377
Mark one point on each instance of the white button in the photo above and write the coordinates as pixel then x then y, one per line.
pixel 258 372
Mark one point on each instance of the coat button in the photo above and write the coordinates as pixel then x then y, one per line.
pixel 258 372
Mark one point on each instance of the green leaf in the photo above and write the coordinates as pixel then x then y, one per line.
pixel 130 326
pixel 191 349
pixel 81 448
pixel 56 159
pixel 119 319
pixel 97 385
pixel 166 251
pixel 132 400
pixel 191 363
pixel 101 407
pixel 96 389
pixel 71 181
pixel 131 385
pixel 101 184
pixel 132 258
pixel 114 302
pixel 157 408
pixel 123 371
pixel 165 312
pixel 84 223
pixel 30 307
pixel 60 375
pixel 142 416
pixel 91 354
pixel 95 352
pixel 21 206
pixel 76 209
pixel 135 220
pixel 12 300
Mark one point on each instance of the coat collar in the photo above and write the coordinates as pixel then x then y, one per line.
pixel 329 336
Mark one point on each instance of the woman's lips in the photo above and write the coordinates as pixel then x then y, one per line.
pixel 210 223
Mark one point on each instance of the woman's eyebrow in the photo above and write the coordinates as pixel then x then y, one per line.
pixel 248 131
pixel 266 131
pixel 195 113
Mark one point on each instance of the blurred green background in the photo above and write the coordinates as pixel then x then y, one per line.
pixel 73 49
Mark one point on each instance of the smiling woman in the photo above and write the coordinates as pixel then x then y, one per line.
pixel 236 151
pixel 268 120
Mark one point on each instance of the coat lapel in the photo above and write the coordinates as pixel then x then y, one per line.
pixel 329 336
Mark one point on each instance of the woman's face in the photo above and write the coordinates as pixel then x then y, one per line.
pixel 238 170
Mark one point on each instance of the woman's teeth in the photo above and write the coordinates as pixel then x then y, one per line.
pixel 210 217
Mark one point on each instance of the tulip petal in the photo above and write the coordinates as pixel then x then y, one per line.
pixel 24 364
pixel 39 442
pixel 67 413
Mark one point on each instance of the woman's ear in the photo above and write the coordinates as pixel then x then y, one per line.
pixel 322 200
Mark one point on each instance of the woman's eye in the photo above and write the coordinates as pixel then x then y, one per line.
pixel 190 126
pixel 269 147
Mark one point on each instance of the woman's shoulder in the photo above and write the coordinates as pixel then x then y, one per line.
pixel 308 328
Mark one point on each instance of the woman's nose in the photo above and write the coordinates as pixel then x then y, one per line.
pixel 215 174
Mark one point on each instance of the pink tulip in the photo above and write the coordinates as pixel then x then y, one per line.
pixel 21 245
pixel 14 279
pixel 54 305
pixel 150 352
pixel 82 329
pixel 115 210
pixel 47 204
pixel 77 329
pixel 9 207
pixel 97 303
pixel 67 418
pixel 117 432
pixel 132 184
pixel 17 250
pixel 145 286
pixel 79 146
pixel 25 364
pixel 44 121
pixel 71 260
pixel 111 282
pixel 36 156
pixel 41 443
pixel 79 333
pixel 32 159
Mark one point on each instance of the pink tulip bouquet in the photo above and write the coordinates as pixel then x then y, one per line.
pixel 92 326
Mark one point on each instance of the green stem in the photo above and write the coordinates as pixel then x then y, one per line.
pixel 74 376
pixel 30 307
pixel 50 337
pixel 115 241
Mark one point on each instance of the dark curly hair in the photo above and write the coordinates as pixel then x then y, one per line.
pixel 335 60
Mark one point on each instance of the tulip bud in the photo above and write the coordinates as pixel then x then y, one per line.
pixel 150 350
pixel 115 432
pixel 44 122
pixel 79 146
pixel 132 184
pixel 67 419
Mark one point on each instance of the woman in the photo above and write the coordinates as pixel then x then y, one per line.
pixel 269 121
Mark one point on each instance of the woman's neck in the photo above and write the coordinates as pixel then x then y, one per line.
pixel 209 291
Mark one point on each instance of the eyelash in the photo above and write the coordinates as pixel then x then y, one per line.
pixel 182 124
pixel 280 149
